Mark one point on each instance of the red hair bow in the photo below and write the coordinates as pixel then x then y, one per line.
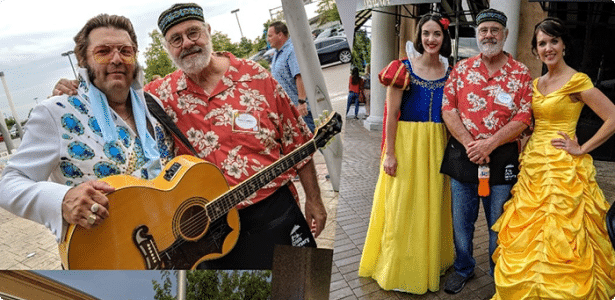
pixel 445 23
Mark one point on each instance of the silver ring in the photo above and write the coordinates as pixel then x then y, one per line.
pixel 95 207
pixel 91 219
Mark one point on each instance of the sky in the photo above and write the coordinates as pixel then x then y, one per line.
pixel 33 34
pixel 121 285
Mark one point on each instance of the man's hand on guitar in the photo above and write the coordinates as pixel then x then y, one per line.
pixel 86 204
pixel 65 87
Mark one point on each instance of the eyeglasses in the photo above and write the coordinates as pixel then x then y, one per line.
pixel 103 54
pixel 177 39
pixel 494 31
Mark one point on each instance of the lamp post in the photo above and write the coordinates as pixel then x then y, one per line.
pixel 235 12
pixel 68 53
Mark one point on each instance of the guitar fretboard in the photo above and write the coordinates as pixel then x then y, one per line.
pixel 221 205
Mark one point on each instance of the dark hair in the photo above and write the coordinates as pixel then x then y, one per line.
pixel 103 20
pixel 553 27
pixel 355 76
pixel 445 49
pixel 279 26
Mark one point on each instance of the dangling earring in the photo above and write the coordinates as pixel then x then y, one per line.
pixel 564 52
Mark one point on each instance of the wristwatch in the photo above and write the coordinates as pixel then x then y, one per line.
pixel 302 101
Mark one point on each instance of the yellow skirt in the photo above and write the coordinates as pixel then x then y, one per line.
pixel 552 240
pixel 409 242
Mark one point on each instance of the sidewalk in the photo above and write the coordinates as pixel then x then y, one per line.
pixel 360 166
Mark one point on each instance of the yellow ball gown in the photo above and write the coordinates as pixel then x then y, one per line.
pixel 552 241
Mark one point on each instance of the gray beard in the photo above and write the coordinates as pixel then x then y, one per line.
pixel 196 63
pixel 490 50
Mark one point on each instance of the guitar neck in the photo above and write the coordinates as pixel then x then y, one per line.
pixel 225 202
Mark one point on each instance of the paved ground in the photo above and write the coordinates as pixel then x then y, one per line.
pixel 359 175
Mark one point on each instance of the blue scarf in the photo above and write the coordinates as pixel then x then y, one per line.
pixel 102 113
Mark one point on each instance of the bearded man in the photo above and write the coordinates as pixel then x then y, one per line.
pixel 486 106
pixel 239 118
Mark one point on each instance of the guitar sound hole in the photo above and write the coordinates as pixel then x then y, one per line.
pixel 193 221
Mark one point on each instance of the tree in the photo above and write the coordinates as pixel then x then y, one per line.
pixel 222 42
pixel 361 50
pixel 163 291
pixel 10 121
pixel 157 60
pixel 254 285
pixel 244 48
pixel 327 9
pixel 219 285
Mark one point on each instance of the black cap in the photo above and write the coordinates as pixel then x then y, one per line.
pixel 179 13
pixel 491 14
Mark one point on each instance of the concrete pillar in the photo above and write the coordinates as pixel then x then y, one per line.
pixel 511 9
pixel 382 53
pixel 313 81
pixel 11 105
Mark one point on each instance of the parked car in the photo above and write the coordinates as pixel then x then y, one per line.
pixel 13 131
pixel 263 54
pixel 333 49
pixel 316 32
pixel 335 30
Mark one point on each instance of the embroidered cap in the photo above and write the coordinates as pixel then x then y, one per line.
pixel 179 13
pixel 491 15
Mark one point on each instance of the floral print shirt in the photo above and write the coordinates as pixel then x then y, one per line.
pixel 247 122
pixel 486 102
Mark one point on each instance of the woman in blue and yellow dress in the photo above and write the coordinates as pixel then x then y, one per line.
pixel 409 243
pixel 553 241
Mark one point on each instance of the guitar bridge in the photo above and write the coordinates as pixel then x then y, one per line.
pixel 147 246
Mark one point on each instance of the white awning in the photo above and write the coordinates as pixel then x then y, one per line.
pixel 348 9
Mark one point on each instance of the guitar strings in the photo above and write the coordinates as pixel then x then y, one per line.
pixel 195 222
pixel 202 217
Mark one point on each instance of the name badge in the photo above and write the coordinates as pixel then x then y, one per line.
pixel 245 122
pixel 504 99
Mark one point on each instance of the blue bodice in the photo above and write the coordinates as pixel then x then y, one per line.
pixel 422 102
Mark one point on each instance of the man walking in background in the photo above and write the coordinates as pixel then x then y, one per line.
pixel 285 69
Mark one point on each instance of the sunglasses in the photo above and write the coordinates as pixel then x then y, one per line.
pixel 103 54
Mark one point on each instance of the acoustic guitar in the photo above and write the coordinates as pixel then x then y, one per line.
pixel 182 217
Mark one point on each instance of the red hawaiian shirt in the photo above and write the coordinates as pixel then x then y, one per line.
pixel 486 103
pixel 247 122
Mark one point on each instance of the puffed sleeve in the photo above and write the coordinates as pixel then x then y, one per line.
pixel 579 82
pixel 396 75
pixel 25 189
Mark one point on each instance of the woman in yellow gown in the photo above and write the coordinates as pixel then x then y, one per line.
pixel 552 240
pixel 409 241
